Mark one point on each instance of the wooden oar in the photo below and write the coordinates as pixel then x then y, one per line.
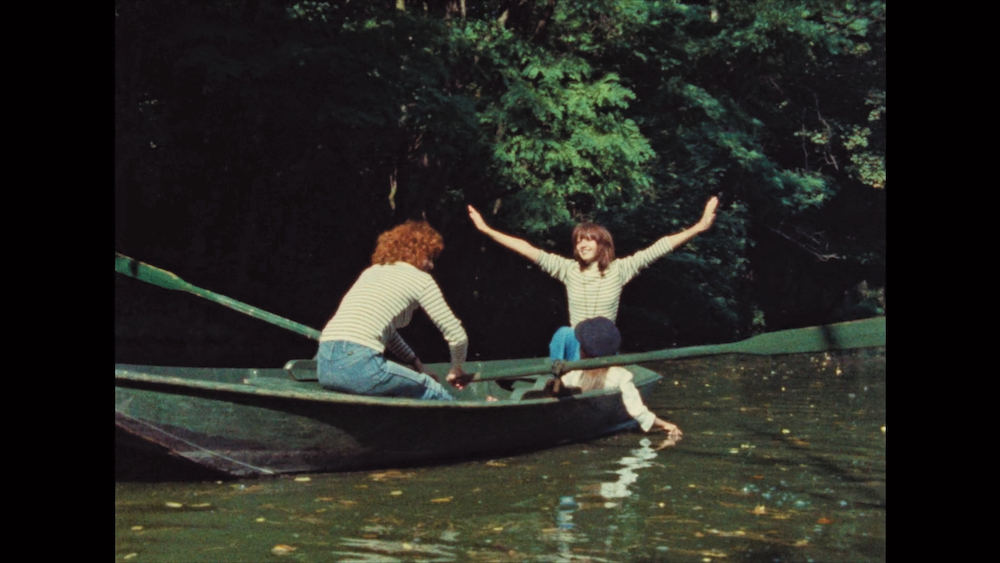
pixel 167 280
pixel 865 333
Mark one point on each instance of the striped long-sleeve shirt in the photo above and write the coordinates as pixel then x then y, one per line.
pixel 589 293
pixel 383 300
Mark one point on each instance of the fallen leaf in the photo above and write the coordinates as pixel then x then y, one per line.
pixel 136 528
pixel 130 556
pixel 201 505
pixel 174 505
pixel 824 521
pixel 759 509
pixel 801 543
pixel 441 500
pixel 324 499
pixel 303 479
pixel 347 502
pixel 387 475
pixel 396 493
pixel 496 464
pixel 758 477
pixel 282 549
pixel 261 519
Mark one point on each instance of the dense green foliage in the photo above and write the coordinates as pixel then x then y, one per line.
pixel 262 145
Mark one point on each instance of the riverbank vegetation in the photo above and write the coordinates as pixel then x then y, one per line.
pixel 261 146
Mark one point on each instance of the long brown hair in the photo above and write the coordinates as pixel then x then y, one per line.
pixel 593 379
pixel 605 245
pixel 412 242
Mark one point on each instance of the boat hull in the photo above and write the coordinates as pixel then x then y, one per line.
pixel 262 422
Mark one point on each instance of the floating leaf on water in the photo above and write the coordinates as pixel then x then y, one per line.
pixel 303 479
pixel 282 549
pixel 441 500
pixel 387 475
pixel 174 505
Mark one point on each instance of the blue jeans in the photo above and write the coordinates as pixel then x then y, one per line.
pixel 564 345
pixel 347 367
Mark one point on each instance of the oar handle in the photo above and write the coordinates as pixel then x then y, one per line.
pixel 168 280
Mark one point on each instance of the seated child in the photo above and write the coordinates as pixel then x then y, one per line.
pixel 600 337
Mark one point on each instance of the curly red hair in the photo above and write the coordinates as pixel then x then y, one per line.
pixel 413 242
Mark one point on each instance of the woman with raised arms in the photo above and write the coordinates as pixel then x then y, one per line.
pixel 594 278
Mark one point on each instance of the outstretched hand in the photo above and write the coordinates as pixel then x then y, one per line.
pixel 708 217
pixel 477 219
pixel 670 428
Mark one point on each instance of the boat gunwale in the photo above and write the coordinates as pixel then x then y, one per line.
pixel 173 384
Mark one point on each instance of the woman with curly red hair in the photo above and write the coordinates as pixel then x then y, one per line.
pixel 352 345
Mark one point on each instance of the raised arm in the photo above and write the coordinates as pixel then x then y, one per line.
pixel 517 245
pixel 707 218
pixel 630 266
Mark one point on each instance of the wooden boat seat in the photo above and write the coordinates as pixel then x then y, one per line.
pixel 301 370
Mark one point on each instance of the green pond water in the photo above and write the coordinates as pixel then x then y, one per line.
pixel 782 460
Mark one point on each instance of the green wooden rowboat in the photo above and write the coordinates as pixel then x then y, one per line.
pixel 248 422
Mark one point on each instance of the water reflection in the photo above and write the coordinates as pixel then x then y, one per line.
pixel 784 466
pixel 382 551
pixel 640 459
pixel 604 494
